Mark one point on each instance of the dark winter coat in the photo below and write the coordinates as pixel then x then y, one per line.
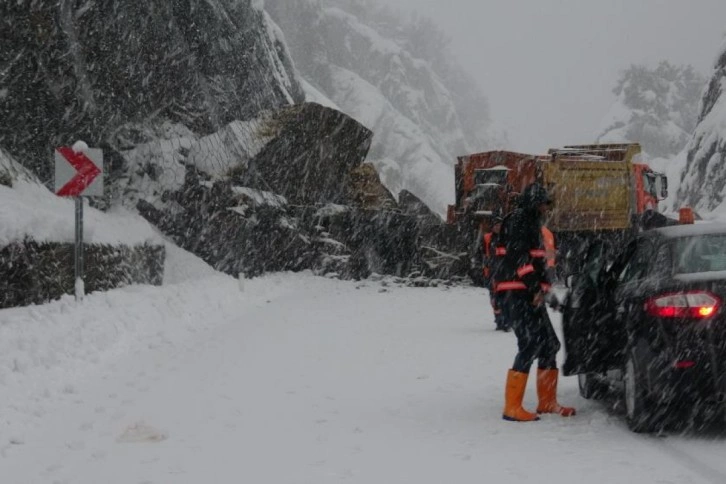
pixel 492 256
pixel 522 266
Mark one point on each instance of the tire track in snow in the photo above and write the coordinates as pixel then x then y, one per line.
pixel 690 462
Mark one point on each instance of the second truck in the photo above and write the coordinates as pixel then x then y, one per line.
pixel 602 191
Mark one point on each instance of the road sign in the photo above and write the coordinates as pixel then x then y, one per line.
pixel 78 172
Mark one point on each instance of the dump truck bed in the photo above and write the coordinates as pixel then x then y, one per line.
pixel 589 195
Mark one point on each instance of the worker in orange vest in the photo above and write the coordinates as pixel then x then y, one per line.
pixel 522 278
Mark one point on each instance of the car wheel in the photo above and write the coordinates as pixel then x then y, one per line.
pixel 639 411
pixel 590 386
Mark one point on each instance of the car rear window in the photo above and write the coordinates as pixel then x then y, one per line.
pixel 701 253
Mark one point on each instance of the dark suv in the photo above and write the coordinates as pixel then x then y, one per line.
pixel 649 320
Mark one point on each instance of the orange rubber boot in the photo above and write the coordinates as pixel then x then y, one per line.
pixel 547 393
pixel 514 394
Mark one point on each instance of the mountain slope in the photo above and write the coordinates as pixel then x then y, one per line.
pixel 362 63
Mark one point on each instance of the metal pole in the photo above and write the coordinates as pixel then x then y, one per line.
pixel 79 286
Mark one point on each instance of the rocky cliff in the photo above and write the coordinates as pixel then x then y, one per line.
pixel 112 71
pixel 703 182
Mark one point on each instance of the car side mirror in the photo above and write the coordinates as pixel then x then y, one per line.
pixel 661 185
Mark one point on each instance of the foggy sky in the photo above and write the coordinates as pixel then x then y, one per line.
pixel 548 67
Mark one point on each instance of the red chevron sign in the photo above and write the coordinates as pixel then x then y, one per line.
pixel 86 172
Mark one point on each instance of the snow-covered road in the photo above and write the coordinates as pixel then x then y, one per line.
pixel 297 379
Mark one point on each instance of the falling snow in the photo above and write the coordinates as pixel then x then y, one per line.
pixel 284 167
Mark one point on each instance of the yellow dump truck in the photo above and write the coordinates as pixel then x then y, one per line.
pixel 599 191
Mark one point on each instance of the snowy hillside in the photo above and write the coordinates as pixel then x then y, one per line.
pixel 362 64
pixel 703 183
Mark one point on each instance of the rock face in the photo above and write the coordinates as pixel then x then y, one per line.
pixel 704 179
pixel 35 273
pixel 444 251
pixel 85 70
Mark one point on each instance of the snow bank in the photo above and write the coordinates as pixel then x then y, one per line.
pixel 30 209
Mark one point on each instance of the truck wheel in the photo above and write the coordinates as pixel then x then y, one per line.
pixel 639 410
pixel 590 387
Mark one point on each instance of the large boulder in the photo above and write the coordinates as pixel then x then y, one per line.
pixel 311 156
pixel 236 197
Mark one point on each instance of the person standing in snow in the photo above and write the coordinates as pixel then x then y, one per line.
pixel 524 287
pixel 492 255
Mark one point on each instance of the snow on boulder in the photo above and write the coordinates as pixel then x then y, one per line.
pixel 232 147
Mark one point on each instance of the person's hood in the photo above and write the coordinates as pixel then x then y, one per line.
pixel 534 196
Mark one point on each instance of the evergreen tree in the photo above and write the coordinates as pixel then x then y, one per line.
pixel 656 107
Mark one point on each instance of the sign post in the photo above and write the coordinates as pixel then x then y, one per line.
pixel 79 287
pixel 78 173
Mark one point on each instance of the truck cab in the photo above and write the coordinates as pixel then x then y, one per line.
pixel 650 187
pixel 488 182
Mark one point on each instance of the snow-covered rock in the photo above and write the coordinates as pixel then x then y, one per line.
pixel 311 154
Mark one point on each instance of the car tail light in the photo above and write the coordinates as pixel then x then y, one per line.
pixel 693 305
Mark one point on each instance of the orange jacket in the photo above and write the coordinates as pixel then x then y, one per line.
pixel 550 250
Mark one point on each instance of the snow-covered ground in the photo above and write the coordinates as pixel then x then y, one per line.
pixel 291 378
